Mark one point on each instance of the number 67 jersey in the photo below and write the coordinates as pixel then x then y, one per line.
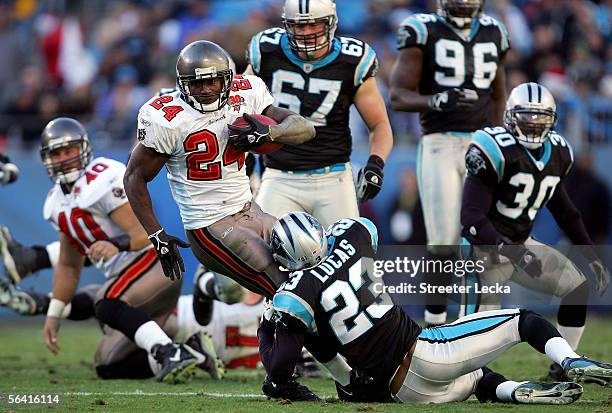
pixel 206 175
pixel 522 180
pixel 338 303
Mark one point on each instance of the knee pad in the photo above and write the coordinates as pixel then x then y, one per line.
pixel 107 310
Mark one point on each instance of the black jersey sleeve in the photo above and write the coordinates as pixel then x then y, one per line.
pixel 485 159
pixel 476 202
pixel 367 66
pixel 413 32
pixel 295 302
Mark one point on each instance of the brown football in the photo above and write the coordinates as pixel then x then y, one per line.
pixel 266 147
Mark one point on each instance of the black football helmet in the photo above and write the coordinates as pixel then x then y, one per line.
pixel 460 13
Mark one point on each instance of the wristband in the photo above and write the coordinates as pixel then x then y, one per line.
pixel 122 242
pixel 56 308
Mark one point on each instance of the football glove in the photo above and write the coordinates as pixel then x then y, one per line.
pixel 602 276
pixel 370 179
pixel 166 247
pixel 453 99
pixel 363 388
pixel 251 136
pixel 521 258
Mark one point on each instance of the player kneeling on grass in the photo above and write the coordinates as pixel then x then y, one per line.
pixel 382 353
pixel 89 208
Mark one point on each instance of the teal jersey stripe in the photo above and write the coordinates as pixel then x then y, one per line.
pixel 488 145
pixel 419 27
pixel 254 53
pixel 368 59
pixel 371 229
pixel 293 305
pixel 454 332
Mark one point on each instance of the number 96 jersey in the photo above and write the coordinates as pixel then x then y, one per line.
pixel 452 61
pixel 522 181
pixel 337 302
pixel 206 175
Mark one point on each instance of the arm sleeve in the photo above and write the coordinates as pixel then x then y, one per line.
pixel 476 202
pixel 279 349
pixel 115 195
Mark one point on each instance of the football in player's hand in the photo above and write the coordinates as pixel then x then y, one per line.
pixel 266 147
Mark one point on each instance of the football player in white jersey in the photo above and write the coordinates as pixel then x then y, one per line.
pixel 188 132
pixel 89 208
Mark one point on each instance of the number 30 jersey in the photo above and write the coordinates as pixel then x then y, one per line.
pixel 321 91
pixel 522 181
pixel 450 61
pixel 337 302
pixel 206 175
pixel 84 214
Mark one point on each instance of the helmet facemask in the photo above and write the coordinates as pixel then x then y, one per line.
pixel 531 126
pixel 69 170
pixel 460 13
pixel 189 86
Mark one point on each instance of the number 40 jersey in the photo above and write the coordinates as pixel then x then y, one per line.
pixel 522 181
pixel 337 302
pixel 452 61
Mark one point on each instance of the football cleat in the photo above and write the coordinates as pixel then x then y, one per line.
pixel 22 302
pixel 178 362
pixel 534 392
pixel 588 371
pixel 7 291
pixel 19 260
pixel 291 391
pixel 202 343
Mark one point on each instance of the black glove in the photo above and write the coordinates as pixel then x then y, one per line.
pixel 166 247
pixel 602 276
pixel 363 388
pixel 251 136
pixel 521 258
pixel 370 179
pixel 250 162
pixel 453 99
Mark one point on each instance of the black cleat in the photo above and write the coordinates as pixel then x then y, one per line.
pixel 203 301
pixel 178 362
pixel 19 260
pixel 291 391
pixel 547 393
pixel 202 343
pixel 556 373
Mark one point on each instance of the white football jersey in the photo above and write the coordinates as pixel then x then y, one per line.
pixel 233 328
pixel 207 177
pixel 84 214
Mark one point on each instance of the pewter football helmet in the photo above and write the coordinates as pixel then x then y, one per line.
pixel 531 113
pixel 299 12
pixel 59 133
pixel 298 241
pixel 204 60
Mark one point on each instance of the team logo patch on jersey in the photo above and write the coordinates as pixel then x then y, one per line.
pixel 474 161
pixel 142 134
pixel 119 192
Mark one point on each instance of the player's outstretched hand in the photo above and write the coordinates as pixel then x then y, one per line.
pixel 453 99
pixel 50 334
pixel 247 137
pixel 166 247
pixel 522 258
pixel 370 179
pixel 602 276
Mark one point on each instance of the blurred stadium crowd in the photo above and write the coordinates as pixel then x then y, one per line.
pixel 99 60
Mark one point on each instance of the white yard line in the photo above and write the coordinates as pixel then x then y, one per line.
pixel 186 393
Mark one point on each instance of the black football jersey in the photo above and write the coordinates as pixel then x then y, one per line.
pixel 450 61
pixel 321 91
pixel 337 302
pixel 523 182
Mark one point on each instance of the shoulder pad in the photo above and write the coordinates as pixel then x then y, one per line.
pixel 372 230
pixel 486 20
pixel 367 65
pixel 101 175
pixel 261 42
pixel 490 141
pixel 414 26
pixel 161 110
pixel 561 143
pixel 50 201
pixel 288 303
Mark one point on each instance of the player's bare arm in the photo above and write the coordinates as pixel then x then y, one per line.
pixel 371 106
pixel 404 82
pixel 134 239
pixel 292 128
pixel 66 276
pixel 498 95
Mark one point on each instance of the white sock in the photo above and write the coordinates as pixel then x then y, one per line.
pixel 505 389
pixel 435 319
pixel 150 334
pixel 339 369
pixel 571 334
pixel 557 349
pixel 53 250
pixel 203 281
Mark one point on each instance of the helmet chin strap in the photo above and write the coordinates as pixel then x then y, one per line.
pixel 531 145
pixel 208 107
pixel 462 23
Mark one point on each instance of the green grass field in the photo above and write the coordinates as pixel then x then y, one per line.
pixel 27 367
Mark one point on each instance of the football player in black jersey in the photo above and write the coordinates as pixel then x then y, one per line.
pixel 319 75
pixel 513 172
pixel 450 68
pixel 373 349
